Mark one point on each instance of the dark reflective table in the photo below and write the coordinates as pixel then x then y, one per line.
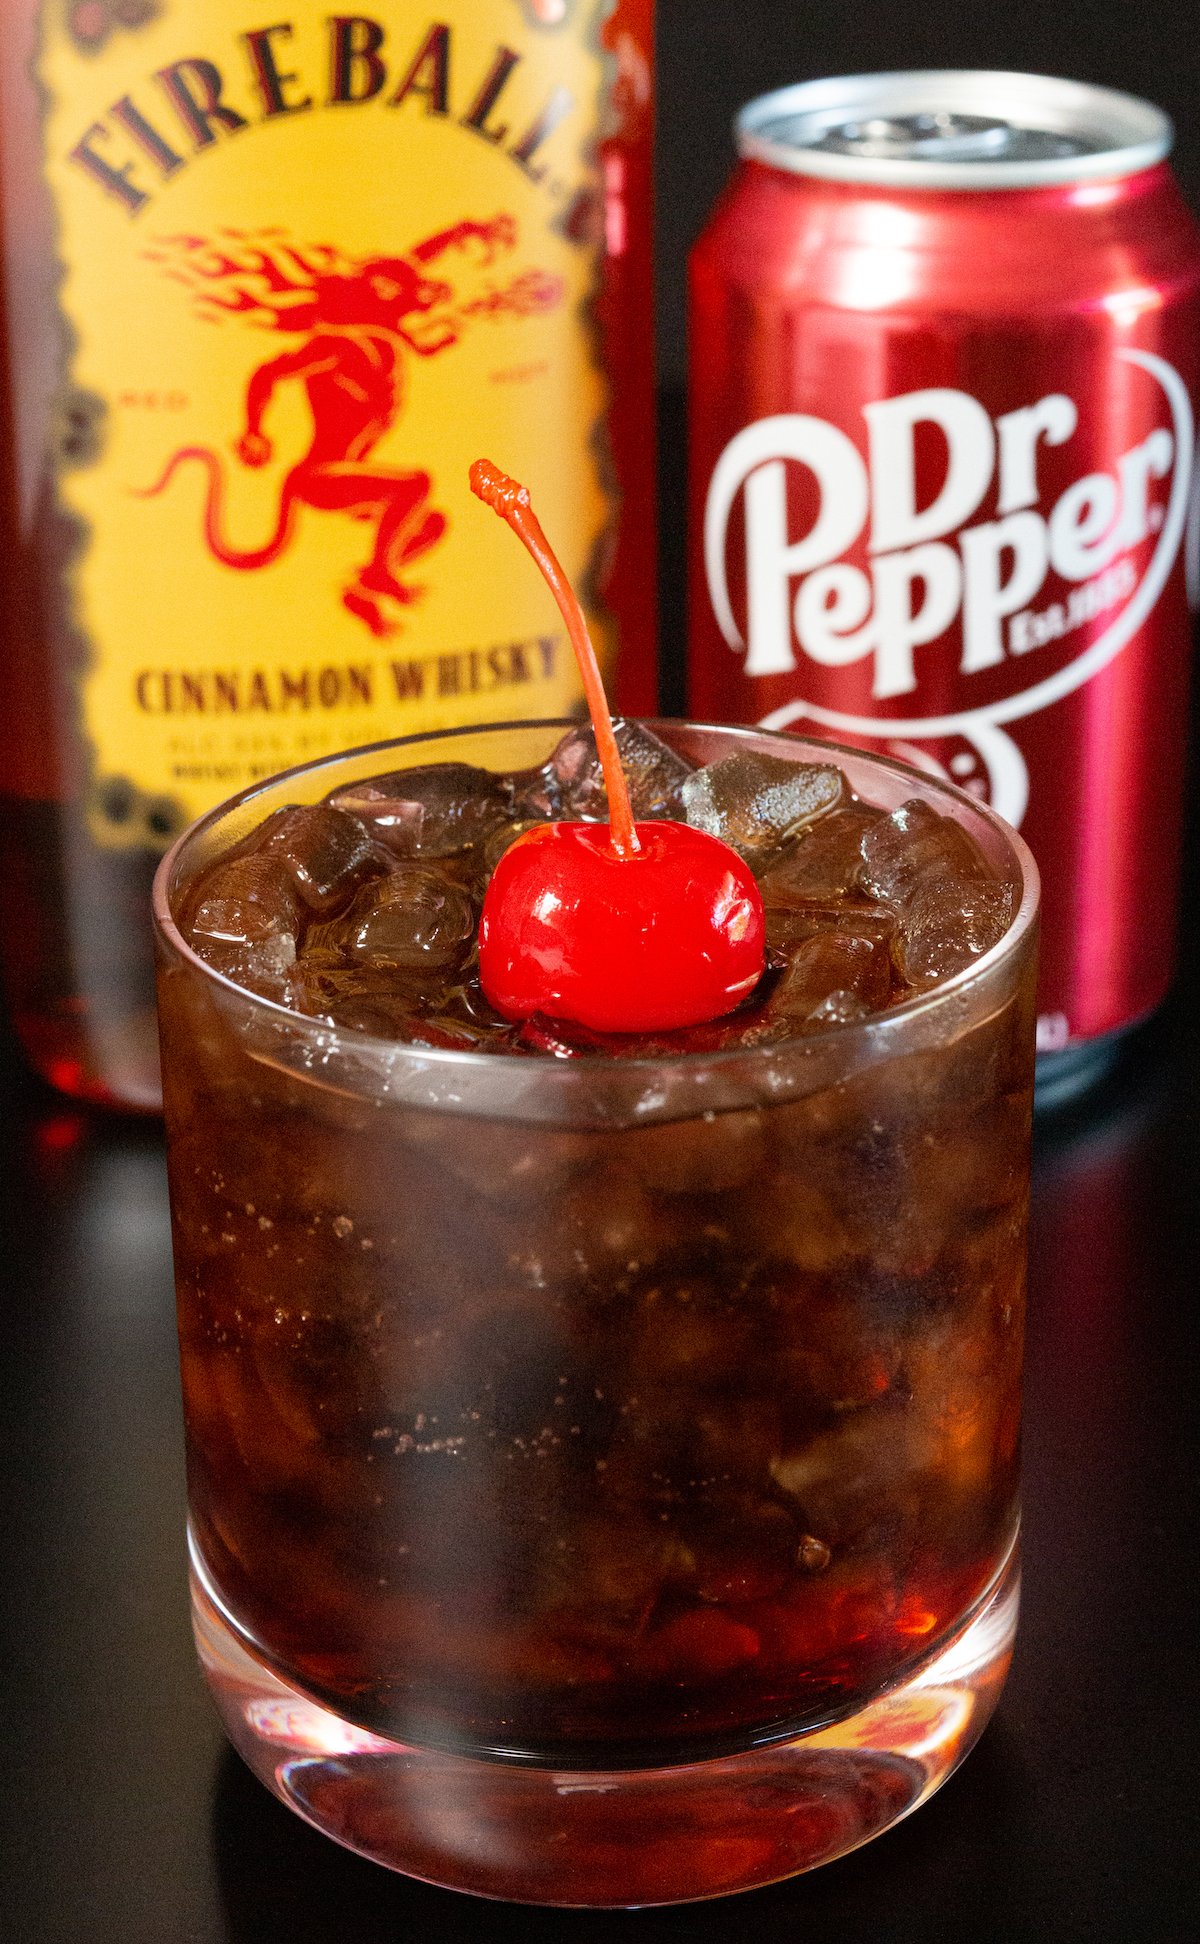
pixel 126 1819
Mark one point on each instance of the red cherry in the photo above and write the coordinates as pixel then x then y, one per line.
pixel 671 936
pixel 622 927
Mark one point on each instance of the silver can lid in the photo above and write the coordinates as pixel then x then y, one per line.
pixel 953 128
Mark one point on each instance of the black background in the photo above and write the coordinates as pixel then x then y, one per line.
pixel 125 1819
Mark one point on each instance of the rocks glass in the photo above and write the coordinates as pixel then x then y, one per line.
pixel 603 1472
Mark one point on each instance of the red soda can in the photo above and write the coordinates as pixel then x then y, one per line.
pixel 945 335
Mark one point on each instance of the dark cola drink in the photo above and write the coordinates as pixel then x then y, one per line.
pixel 559 1402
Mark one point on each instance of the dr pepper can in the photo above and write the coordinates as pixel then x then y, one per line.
pixel 945 330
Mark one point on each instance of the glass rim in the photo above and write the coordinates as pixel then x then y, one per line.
pixel 473 1059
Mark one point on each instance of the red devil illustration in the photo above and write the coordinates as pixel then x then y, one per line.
pixel 354 319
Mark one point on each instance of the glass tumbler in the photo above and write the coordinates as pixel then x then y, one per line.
pixel 602 1472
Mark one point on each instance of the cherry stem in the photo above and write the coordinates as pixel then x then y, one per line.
pixel 510 500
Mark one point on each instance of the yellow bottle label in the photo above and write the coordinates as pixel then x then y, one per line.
pixel 310 271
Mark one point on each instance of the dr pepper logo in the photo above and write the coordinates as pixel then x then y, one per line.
pixel 939 565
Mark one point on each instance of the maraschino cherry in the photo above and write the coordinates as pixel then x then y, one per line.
pixel 621 927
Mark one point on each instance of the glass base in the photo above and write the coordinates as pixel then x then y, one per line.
pixel 617 1838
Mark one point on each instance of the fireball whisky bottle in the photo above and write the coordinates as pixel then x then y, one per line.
pixel 266 292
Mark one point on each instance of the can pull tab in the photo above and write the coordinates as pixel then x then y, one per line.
pixel 945 137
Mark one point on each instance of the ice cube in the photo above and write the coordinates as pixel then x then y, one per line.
pixel 850 1478
pixel 706 1155
pixel 495 846
pixel 381 1000
pixel 326 853
pixel 566 1040
pixel 951 907
pixel 611 1575
pixel 432 811
pixel 749 1026
pixel 390 1019
pixel 838 1350
pixel 840 1008
pixel 416 921
pixel 902 852
pixel 467 1003
pixel 755 802
pixel 827 972
pixel 824 861
pixel 737 1434
pixel 686 1327
pixel 322 985
pixel 574 783
pixel 789 925
pixel 244 921
pixel 947 924
pixel 743 1546
pixel 454 1035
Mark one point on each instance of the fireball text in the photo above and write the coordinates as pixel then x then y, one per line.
pixel 188 106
